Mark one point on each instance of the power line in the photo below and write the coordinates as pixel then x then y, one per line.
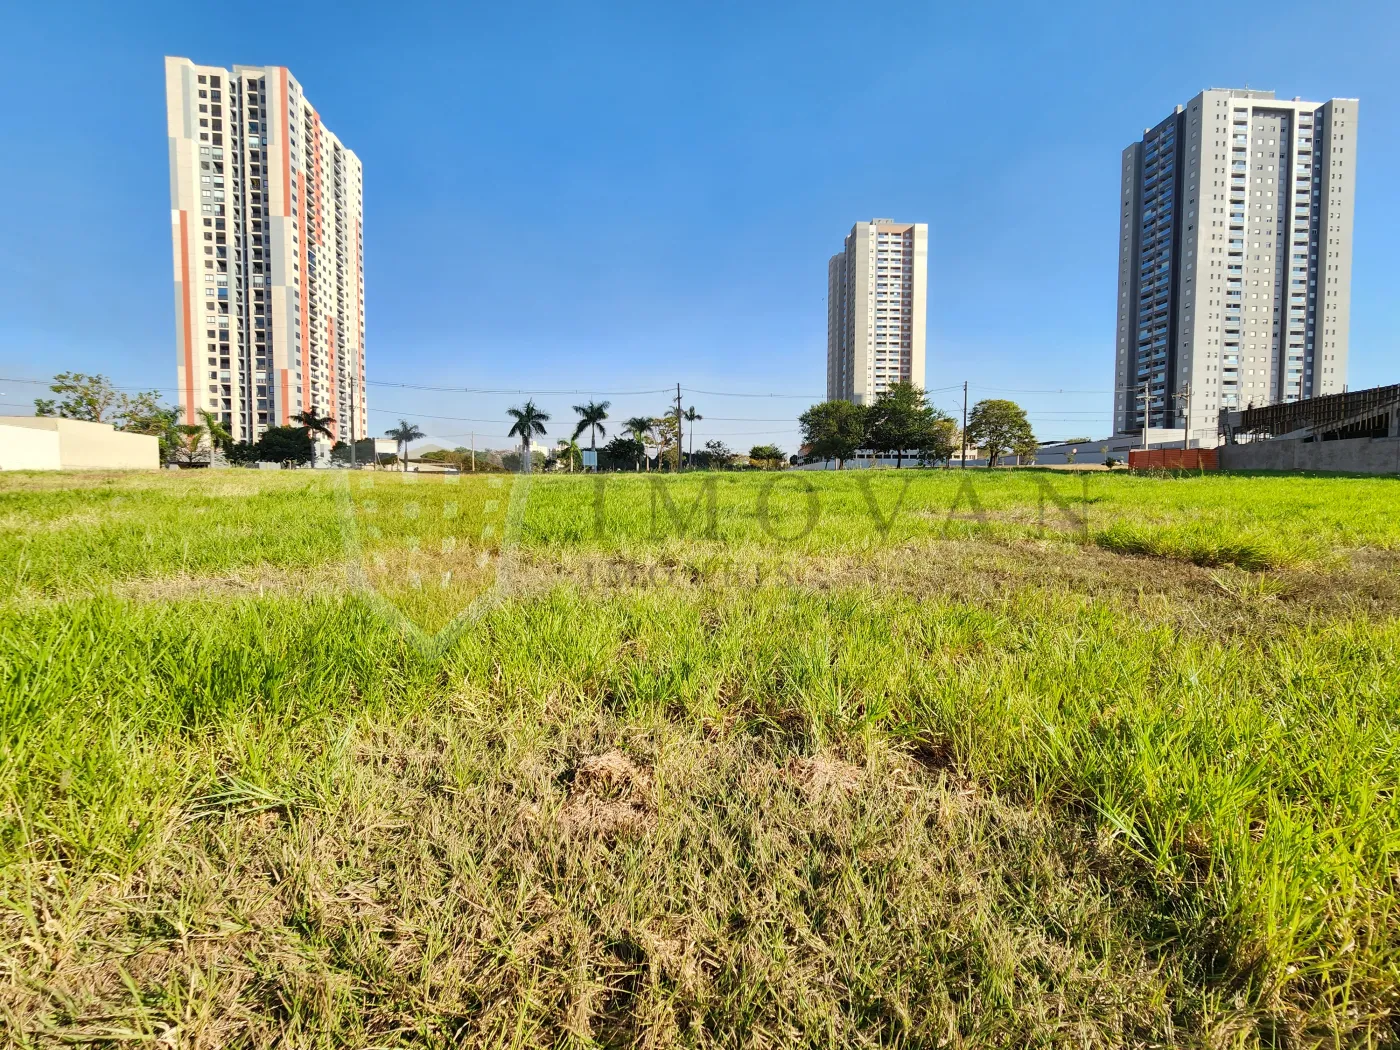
pixel 1012 390
pixel 114 386
pixel 427 415
pixel 492 390
pixel 723 393
pixel 804 397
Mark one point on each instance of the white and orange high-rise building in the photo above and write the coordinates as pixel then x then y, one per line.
pixel 267 227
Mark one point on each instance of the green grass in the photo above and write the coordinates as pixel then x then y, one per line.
pixel 1120 770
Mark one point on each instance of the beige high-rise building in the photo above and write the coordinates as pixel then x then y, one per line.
pixel 876 310
pixel 266 217
pixel 1234 259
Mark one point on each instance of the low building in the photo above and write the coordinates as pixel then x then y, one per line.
pixel 1100 450
pixel 52 443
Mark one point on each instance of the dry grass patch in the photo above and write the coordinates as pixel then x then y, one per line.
pixel 609 795
pixel 460 883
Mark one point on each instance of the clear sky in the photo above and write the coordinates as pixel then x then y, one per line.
pixel 620 197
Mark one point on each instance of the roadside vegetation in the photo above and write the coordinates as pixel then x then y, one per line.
pixel 927 758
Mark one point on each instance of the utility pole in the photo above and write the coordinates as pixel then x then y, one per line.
pixel 352 420
pixel 678 428
pixel 964 428
pixel 1146 412
pixel 473 451
pixel 1185 395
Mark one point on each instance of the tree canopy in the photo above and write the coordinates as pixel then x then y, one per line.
pixel 94 399
pixel 590 418
pixel 316 423
pixel 284 444
pixel 900 420
pixel 766 456
pixel 626 450
pixel 834 430
pixel 939 440
pixel 997 427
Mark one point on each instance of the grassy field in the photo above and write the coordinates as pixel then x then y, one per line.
pixel 926 759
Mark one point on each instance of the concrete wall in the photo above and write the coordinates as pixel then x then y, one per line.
pixel 92 446
pixel 25 448
pixel 1353 456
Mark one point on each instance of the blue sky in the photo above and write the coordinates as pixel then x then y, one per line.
pixel 623 197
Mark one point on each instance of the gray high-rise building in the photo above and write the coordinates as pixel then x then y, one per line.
pixel 1234 260
pixel 875 310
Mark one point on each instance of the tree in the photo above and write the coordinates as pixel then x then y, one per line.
pixel 939 440
pixel 625 450
pixel 186 448
pixel 94 399
pixel 570 454
pixel 1026 449
pixel 899 420
pixel 768 457
pixel 692 417
pixel 402 435
pixel 529 421
pixel 720 454
pixel 640 429
pixel 834 430
pixel 998 426
pixel 284 445
pixel 160 422
pixel 188 443
pixel 91 398
pixel 316 424
pixel 220 437
pixel 512 461
pixel 666 432
pixel 590 418
pixel 241 452
pixel 144 414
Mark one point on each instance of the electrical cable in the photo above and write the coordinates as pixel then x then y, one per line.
pixel 492 390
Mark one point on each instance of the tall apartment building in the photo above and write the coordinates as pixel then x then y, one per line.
pixel 875 310
pixel 267 229
pixel 1234 260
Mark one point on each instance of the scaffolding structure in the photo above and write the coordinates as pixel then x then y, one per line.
pixel 1374 412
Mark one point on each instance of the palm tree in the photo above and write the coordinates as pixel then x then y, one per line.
pixel 219 435
pixel 590 418
pixel 313 423
pixel 640 427
pixel 211 426
pixel 568 448
pixel 529 421
pixel 691 416
pixel 402 435
pixel 185 444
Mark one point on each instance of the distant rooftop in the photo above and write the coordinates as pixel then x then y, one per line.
pixel 1244 92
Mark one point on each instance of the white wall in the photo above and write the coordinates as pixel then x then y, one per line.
pixel 91 446
pixel 24 448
